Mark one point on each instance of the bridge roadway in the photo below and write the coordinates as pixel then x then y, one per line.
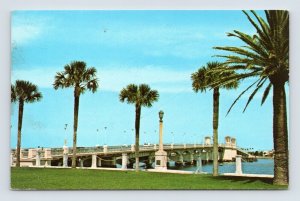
pixel 108 155
pixel 117 150
pixel 180 153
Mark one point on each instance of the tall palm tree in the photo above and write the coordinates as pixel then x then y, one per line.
pixel 23 92
pixel 141 95
pixel 202 80
pixel 265 56
pixel 81 78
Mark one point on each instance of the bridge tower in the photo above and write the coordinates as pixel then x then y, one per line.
pixel 207 140
pixel 65 156
pixel 161 155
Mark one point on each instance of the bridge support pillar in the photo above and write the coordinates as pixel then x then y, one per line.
pixel 94 161
pixel 238 165
pixel 38 158
pixel 48 163
pixel 65 156
pixel 65 160
pixel 181 158
pixel 99 162
pixel 105 148
pixel 113 162
pixel 199 165
pixel 81 162
pixel 124 161
pixel 207 156
pixel 192 158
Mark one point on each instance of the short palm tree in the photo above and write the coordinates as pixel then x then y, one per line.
pixel 23 92
pixel 202 80
pixel 141 95
pixel 265 56
pixel 81 78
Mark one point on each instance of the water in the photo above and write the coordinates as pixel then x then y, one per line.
pixel 261 166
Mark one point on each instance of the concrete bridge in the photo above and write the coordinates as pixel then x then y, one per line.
pixel 110 156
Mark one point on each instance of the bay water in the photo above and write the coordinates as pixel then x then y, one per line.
pixel 261 166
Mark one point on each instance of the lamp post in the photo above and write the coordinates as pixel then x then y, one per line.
pixel 97 130
pixel 65 142
pixel 161 115
pixel 105 135
pixel 124 134
pixel 161 155
pixel 65 149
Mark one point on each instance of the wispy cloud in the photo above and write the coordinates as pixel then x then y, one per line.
pixel 163 79
pixel 114 79
pixel 24 33
pixel 124 34
pixel 25 28
pixel 183 42
pixel 43 77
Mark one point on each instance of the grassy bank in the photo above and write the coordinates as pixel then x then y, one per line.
pixel 47 179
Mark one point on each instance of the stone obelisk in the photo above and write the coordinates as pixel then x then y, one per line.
pixel 161 155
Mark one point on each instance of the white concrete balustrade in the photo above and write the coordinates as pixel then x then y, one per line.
pixel 183 153
pixel 94 161
pixel 238 165
pixel 124 161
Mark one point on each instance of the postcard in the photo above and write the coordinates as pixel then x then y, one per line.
pixel 142 99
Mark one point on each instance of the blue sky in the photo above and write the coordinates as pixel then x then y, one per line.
pixel 160 48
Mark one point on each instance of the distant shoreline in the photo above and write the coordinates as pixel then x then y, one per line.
pixel 263 157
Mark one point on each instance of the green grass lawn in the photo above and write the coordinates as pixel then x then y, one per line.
pixel 63 179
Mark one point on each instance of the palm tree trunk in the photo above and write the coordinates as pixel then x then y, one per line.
pixel 137 136
pixel 20 120
pixel 280 135
pixel 215 130
pixel 76 110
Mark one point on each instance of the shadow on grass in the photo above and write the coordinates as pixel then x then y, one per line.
pixel 246 180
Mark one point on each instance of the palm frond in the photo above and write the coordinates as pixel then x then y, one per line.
pixel 266 93
pixel 241 94
pixel 75 75
pixel 260 84
pixel 141 95
pixel 129 93
pixel 25 91
pixel 13 95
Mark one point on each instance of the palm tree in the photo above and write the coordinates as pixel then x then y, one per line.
pixel 79 77
pixel 265 56
pixel 202 80
pixel 141 95
pixel 23 92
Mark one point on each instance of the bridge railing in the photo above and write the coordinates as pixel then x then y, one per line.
pixel 57 151
pixel 149 147
pixel 227 145
pixel 127 148
pixel 118 148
